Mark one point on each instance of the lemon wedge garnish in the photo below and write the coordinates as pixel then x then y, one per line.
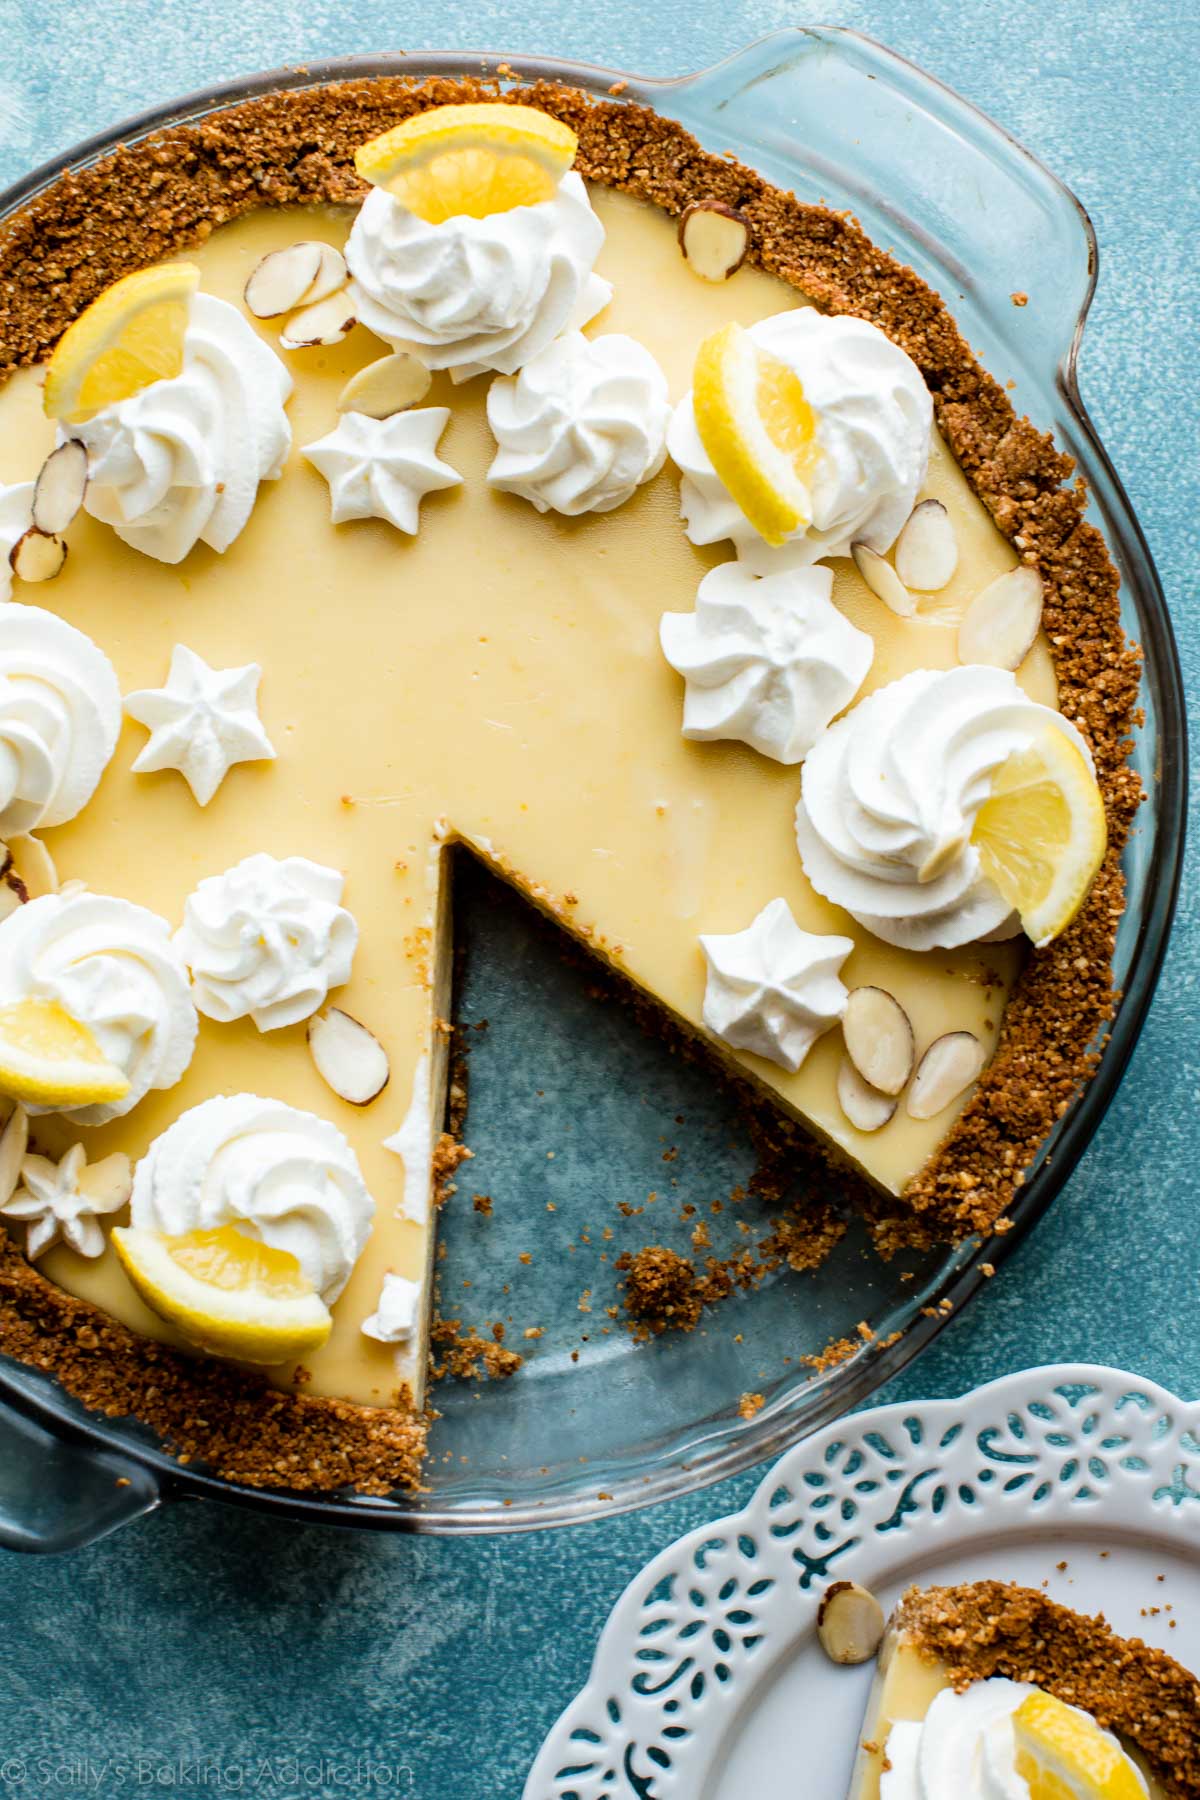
pixel 758 429
pixel 132 335
pixel 469 160
pixel 1041 833
pixel 226 1293
pixel 47 1058
pixel 1064 1755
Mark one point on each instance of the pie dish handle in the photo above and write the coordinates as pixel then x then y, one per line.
pixel 1005 242
pixel 58 1493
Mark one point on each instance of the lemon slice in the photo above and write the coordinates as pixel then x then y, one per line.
pixel 1041 833
pixel 47 1058
pixel 469 160
pixel 1064 1755
pixel 226 1292
pixel 758 429
pixel 132 335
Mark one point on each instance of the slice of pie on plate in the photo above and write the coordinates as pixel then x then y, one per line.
pixel 359 474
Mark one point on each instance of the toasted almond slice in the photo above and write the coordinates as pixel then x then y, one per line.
pixel 36 557
pixel 109 1180
pixel 59 489
pixel 714 239
pixel 386 387
pixel 348 1057
pixel 883 580
pixel 879 1038
pixel 950 1065
pixel 283 279
pixel 927 548
pixel 328 322
pixel 331 276
pixel 865 1107
pixel 850 1623
pixel 1003 620
pixel 30 866
pixel 14 1141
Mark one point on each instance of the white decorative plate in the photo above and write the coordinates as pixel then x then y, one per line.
pixel 708 1682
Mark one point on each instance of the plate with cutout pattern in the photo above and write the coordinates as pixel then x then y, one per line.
pixel 708 1682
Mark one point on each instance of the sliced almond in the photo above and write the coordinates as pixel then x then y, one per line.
pixel 386 387
pixel 31 867
pixel 883 580
pixel 948 1067
pixel 328 322
pixel 14 1141
pixel 927 549
pixel 110 1180
pixel 1003 620
pixel 36 557
pixel 349 1058
pixel 59 489
pixel 283 279
pixel 331 276
pixel 879 1038
pixel 850 1623
pixel 865 1107
pixel 714 239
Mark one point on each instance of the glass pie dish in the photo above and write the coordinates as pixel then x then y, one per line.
pixel 596 1423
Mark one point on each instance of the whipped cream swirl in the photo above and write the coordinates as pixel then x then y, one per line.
pixel 582 425
pixel 16 516
pixel 267 940
pixel 874 419
pixel 180 462
pixel 476 294
pixel 281 1176
pixel 767 659
pixel 889 797
pixel 965 1746
pixel 383 468
pixel 110 965
pixel 60 716
pixel 773 988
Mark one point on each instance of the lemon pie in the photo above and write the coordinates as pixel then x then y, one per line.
pixel 991 1689
pixel 509 475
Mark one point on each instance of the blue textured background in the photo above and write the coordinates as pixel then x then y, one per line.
pixel 205 1635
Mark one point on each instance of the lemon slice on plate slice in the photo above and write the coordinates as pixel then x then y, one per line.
pixel 1064 1755
pixel 226 1292
pixel 758 429
pixel 132 335
pixel 1041 833
pixel 47 1058
pixel 469 160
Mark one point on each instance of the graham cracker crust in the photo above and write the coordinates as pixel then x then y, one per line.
pixel 164 194
pixel 986 1628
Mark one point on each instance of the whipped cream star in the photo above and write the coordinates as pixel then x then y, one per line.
pixel 773 988
pixel 202 722
pixel 395 1317
pixel 66 1200
pixel 383 468
pixel 767 659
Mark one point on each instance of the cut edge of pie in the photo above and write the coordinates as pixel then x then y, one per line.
pixel 145 202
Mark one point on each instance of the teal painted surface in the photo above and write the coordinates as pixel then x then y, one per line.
pixel 293 1661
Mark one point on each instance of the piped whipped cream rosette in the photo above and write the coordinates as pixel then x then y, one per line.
pixel 110 967
pixel 767 659
pixel 283 1177
pixel 582 426
pixel 773 988
pixel 982 1742
pixel 60 716
pixel 891 795
pixel 179 462
pixel 477 243
pixel 267 940
pixel 868 416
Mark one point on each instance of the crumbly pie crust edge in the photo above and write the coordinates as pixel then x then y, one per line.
pixel 165 194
